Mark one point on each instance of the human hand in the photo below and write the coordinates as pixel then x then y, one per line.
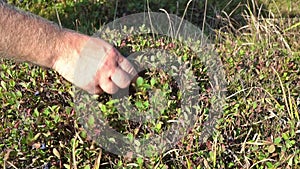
pixel 93 65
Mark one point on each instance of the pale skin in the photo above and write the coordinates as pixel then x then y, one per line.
pixel 88 62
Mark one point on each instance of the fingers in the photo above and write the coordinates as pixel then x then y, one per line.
pixel 125 65
pixel 113 73
pixel 96 90
pixel 108 86
pixel 121 78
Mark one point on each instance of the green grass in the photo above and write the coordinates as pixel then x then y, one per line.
pixel 259 127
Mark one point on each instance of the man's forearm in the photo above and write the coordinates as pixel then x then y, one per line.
pixel 27 37
pixel 88 62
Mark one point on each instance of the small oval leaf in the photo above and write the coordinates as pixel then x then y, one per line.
pixel 56 153
pixel 271 148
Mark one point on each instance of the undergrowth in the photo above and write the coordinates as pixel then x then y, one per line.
pixel 258 128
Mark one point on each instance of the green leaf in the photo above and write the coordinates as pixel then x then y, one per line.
pixel 277 140
pixel 19 94
pixel 152 81
pixel 36 113
pixel 103 108
pixel 87 167
pixel 139 81
pixel 285 136
pixel 67 166
pixel 269 164
pixel 91 121
pixel 254 105
pixel 3 85
pixel 83 134
pixel 130 137
pixel 139 104
pixel 140 161
pixel 147 86
pixel 158 126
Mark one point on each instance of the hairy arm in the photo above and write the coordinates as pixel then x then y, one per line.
pixel 88 62
pixel 27 37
